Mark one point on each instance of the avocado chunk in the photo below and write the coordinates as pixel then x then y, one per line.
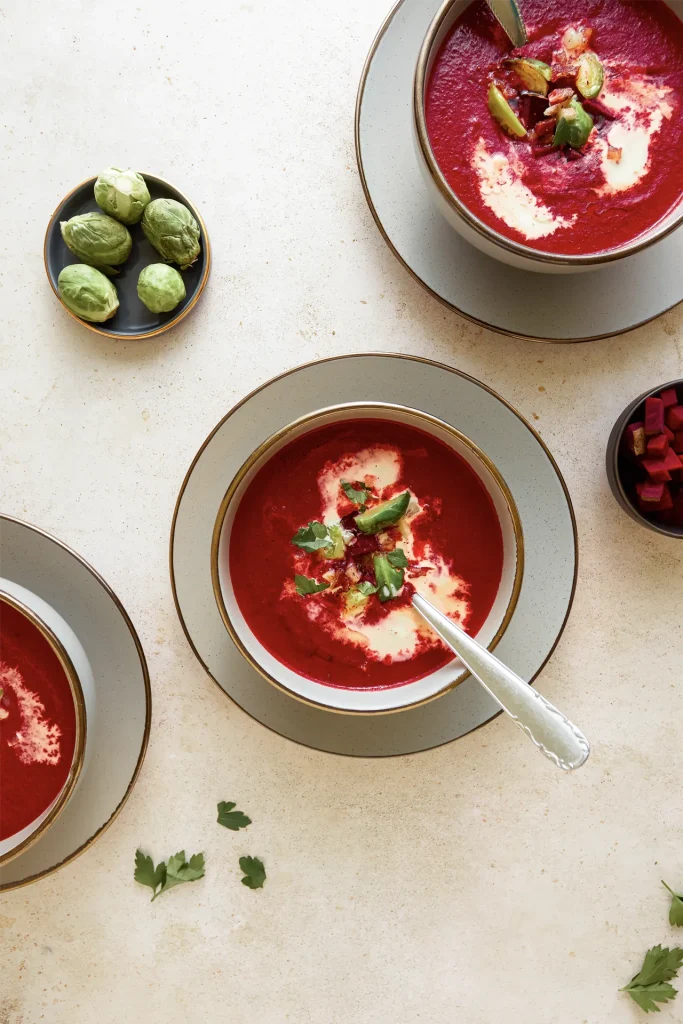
pixel 386 514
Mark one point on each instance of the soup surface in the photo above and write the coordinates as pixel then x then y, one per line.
pixel 578 174
pixel 37 723
pixel 338 529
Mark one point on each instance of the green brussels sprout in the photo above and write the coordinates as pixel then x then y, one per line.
pixel 122 194
pixel 87 292
pixel 98 240
pixel 173 231
pixel 160 287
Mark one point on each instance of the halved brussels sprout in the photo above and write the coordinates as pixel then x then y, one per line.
pixel 534 73
pixel 574 126
pixel 590 76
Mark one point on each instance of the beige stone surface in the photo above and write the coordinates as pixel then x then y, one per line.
pixel 471 884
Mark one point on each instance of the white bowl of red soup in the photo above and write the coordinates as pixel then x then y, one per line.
pixel 328 530
pixel 564 154
pixel 46 697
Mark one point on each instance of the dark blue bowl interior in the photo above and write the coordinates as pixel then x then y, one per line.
pixel 132 319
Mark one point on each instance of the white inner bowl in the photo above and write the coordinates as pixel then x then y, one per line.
pixel 380 699
pixel 77 668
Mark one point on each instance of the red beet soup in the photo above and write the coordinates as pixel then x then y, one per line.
pixel 337 530
pixel 37 722
pixel 573 143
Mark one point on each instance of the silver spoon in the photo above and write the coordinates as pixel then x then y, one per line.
pixel 554 735
pixel 509 17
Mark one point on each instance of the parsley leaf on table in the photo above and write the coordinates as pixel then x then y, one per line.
pixel 398 559
pixel 358 493
pixel 234 820
pixel 305 585
pixel 313 537
pixel 166 875
pixel 650 985
pixel 676 908
pixel 254 872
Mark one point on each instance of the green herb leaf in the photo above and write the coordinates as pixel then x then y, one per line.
pixel 389 580
pixel 676 908
pixel 166 876
pixel 313 537
pixel 305 585
pixel 358 493
pixel 647 996
pixel 234 820
pixel 254 872
pixel 398 559
pixel 650 985
pixel 366 588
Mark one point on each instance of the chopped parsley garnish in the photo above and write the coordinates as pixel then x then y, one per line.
pixel 254 872
pixel 358 493
pixel 234 820
pixel 167 875
pixel 313 537
pixel 305 585
pixel 366 588
pixel 398 559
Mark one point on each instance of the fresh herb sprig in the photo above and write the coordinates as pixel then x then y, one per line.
pixel 254 872
pixel 358 493
pixel 313 537
pixel 676 908
pixel 229 818
pixel 305 585
pixel 168 874
pixel 651 984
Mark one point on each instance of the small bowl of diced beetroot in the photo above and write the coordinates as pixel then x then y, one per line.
pixel 645 459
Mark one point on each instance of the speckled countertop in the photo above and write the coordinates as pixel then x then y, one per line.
pixel 471 884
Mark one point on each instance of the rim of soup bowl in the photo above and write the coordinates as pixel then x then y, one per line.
pixel 655 234
pixel 356 409
pixel 60 802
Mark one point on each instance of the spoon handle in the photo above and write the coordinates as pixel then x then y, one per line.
pixel 509 17
pixel 554 735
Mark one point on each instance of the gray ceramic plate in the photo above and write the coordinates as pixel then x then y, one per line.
pixel 124 705
pixel 617 298
pixel 520 455
pixel 132 319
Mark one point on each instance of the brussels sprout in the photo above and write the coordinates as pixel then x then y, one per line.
pixel 160 287
pixel 98 240
pixel 122 194
pixel 574 126
pixel 173 231
pixel 87 292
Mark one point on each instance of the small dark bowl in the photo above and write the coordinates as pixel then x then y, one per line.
pixel 132 319
pixel 618 467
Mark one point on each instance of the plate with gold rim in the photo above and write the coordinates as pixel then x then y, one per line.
pixel 612 300
pixel 132 320
pixel 117 741
pixel 534 480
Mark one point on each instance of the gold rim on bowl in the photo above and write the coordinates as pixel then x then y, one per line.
pixel 357 408
pixel 81 726
pixel 459 208
pixel 157 330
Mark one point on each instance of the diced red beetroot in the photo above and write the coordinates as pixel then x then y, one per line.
pixel 662 505
pixel 364 545
pixel 598 108
pixel 669 397
pixel 650 492
pixel 531 108
pixel 672 461
pixel 674 418
pixel 678 442
pixel 349 523
pixel 658 446
pixel 656 470
pixel 654 417
pixel 635 438
pixel 538 151
pixel 669 433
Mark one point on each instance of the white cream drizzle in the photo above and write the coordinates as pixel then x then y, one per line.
pixel 37 739
pixel 503 191
pixel 642 106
